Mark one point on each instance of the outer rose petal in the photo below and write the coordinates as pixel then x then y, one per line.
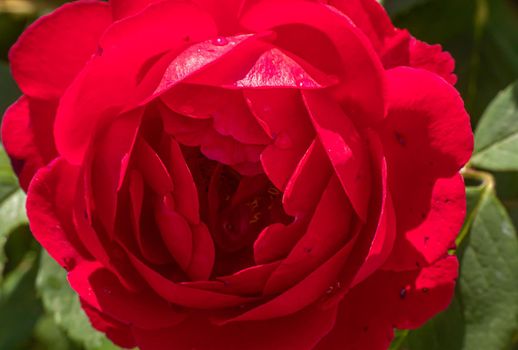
pixel 381 223
pixel 126 8
pixel 115 331
pixel 402 49
pixel 51 52
pixel 18 139
pixel 49 211
pixel 396 47
pixel 370 17
pixel 101 290
pixel 110 82
pixel 361 88
pixel 427 126
pixel 300 331
pixel 224 12
pixel 370 311
pixel 426 136
pixel 428 223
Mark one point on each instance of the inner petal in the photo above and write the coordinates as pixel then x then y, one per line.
pixel 236 208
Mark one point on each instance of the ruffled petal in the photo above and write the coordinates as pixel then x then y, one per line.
pixel 102 291
pixel 19 141
pixel 49 201
pixel 110 82
pixel 396 47
pixel 344 147
pixel 52 51
pixel 127 8
pixel 370 311
pixel 361 89
pixel 117 332
pixel 426 137
pixel 312 250
pixel 300 331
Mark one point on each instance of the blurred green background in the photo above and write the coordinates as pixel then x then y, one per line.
pixel 38 310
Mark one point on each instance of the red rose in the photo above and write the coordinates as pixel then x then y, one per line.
pixel 241 174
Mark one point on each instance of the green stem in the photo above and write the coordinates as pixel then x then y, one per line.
pixel 487 182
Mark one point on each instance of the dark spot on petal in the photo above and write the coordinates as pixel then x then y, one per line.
pixel 308 250
pixel 402 293
pixel 69 263
pixel 365 328
pixel 425 290
pixel 100 51
pixel 187 38
pixel 400 138
pixel 426 239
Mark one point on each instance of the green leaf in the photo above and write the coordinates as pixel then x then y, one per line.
pixel 62 302
pixel 8 181
pixel 496 138
pixel 19 305
pixel 9 91
pixel 488 285
pixel 12 206
pixel 484 312
pixel 12 216
pixel 48 335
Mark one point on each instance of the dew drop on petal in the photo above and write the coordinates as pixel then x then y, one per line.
pixel 220 41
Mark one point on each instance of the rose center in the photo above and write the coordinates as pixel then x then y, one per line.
pixel 236 208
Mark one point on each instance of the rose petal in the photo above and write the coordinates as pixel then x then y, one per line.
pixel 276 241
pixel 429 223
pixel 49 201
pixel 109 82
pixel 300 331
pixel 175 232
pixel 283 116
pixel 309 290
pixel 361 88
pixel 275 69
pixel 383 223
pixel 185 192
pixel 19 141
pixel 426 136
pixel 105 164
pixel 183 295
pixel 117 332
pixel 319 242
pixel 126 8
pixel 306 185
pixel 153 169
pixel 203 254
pixel 101 290
pixel 386 300
pixel 344 147
pixel 44 68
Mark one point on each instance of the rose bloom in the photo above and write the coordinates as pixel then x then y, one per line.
pixel 224 174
